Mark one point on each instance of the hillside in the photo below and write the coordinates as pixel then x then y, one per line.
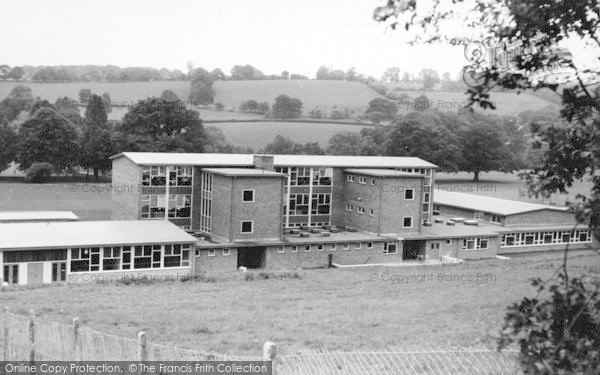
pixel 312 93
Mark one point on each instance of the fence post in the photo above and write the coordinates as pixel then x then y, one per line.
pixel 143 349
pixel 5 333
pixel 270 354
pixel 31 336
pixel 75 338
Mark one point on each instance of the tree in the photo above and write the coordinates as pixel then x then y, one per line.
pixel 47 137
pixel 201 91
pixel 69 109
pixel 85 95
pixel 155 124
pixel 387 109
pixel 323 73
pixel 429 77
pixel 246 72
pixel 218 75
pixel 107 102
pixel 4 71
pixel 286 107
pixel 8 140
pixel 391 75
pixel 285 75
pixel 16 73
pixel 346 143
pixel 249 106
pixel 19 99
pixel 411 137
pixel 169 95
pixel 284 145
pixel 484 151
pixel 422 103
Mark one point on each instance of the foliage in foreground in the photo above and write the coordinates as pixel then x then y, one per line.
pixel 558 334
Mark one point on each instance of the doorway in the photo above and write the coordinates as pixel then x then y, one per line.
pixel 35 273
pixel 252 257
pixel 413 250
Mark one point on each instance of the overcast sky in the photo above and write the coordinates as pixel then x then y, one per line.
pixel 273 35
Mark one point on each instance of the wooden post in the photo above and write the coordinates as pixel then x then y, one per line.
pixel 31 336
pixel 270 354
pixel 75 339
pixel 5 334
pixel 143 349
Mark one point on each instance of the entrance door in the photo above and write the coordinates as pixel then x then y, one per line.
pixel 411 249
pixel 35 273
pixel 11 273
pixel 59 272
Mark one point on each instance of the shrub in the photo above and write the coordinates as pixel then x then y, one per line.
pixel 39 172
pixel 559 333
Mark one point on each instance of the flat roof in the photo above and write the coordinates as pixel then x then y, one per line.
pixel 37 215
pixel 488 204
pixel 50 235
pixel 247 160
pixel 384 173
pixel 458 230
pixel 246 172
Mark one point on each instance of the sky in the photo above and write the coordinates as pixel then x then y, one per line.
pixel 273 35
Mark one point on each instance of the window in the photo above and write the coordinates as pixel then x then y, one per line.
pixel 226 252
pixel 320 247
pixel 362 180
pixel 348 207
pixel 435 246
pixel 371 212
pixel 294 249
pixel 281 249
pixel 369 245
pixel 154 176
pixel 360 210
pixel 247 195
pixel 495 218
pixel 409 194
pixel 179 255
pixel 475 243
pixel 347 246
pixel 332 247
pixel 407 222
pixel 306 248
pixel 211 252
pixel 373 181
pixel 350 177
pixel 59 271
pixel 448 242
pixel 247 226
pixel 112 258
pixel 358 245
pixel 390 248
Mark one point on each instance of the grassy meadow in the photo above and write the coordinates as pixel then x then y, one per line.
pixel 361 309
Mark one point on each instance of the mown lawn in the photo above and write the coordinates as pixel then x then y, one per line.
pixel 333 309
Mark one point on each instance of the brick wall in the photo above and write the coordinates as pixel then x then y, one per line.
pixel 221 207
pixel 541 217
pixel 387 200
pixel 203 263
pixel 125 196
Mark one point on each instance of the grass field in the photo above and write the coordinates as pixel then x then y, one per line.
pixel 91 204
pixel 258 134
pixel 374 308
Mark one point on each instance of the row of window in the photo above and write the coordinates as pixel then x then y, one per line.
pixel 157 176
pixel 548 238
pixel 388 248
pixel 129 257
pixel 475 243
pixel 302 176
pixel 320 204
pixel 359 209
pixel 154 206
pixel 319 224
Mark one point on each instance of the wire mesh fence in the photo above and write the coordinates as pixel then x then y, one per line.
pixel 29 338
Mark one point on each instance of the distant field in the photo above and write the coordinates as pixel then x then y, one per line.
pixel 258 134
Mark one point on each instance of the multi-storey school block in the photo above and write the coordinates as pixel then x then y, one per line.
pixel 176 214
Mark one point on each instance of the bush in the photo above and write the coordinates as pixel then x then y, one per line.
pixel 39 172
pixel 558 333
